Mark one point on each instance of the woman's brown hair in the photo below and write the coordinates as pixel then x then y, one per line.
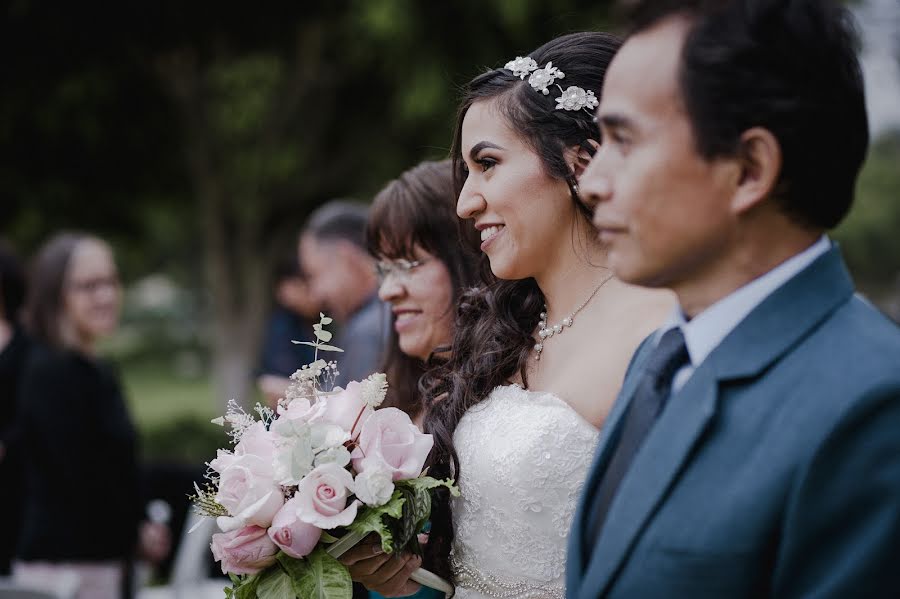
pixel 418 209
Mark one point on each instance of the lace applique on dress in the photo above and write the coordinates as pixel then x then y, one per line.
pixel 523 456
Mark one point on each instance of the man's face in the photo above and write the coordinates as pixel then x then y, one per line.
pixel 330 270
pixel 662 209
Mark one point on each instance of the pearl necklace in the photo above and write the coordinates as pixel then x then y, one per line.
pixel 545 332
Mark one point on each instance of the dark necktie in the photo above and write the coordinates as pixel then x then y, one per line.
pixel 647 403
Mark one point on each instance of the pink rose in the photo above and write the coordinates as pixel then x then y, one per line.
pixel 322 497
pixel 244 551
pixel 249 492
pixel 256 441
pixel 389 440
pixel 344 407
pixel 295 537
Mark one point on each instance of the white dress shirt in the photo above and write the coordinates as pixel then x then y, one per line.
pixel 704 332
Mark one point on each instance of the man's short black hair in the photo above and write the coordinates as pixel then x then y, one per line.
pixel 340 220
pixel 789 66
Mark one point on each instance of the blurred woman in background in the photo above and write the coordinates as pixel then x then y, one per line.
pixel 425 261
pixel 13 351
pixel 82 508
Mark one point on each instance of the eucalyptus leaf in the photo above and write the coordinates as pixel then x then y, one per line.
pixel 325 578
pixel 327 347
pixel 326 320
pixel 323 336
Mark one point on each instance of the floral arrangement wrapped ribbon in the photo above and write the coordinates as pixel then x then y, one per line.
pixel 309 480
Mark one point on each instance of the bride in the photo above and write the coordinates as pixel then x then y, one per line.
pixel 541 349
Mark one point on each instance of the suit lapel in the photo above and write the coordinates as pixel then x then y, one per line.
pixel 654 469
pixel 767 333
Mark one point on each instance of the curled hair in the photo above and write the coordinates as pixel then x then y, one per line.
pixel 493 336
pixel 418 208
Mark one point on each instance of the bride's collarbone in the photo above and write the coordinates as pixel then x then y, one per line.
pixel 577 381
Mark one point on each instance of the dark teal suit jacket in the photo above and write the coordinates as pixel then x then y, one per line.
pixel 774 471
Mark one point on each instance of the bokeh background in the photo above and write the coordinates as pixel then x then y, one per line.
pixel 197 136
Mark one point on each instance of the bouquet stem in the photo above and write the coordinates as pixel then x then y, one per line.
pixel 422 576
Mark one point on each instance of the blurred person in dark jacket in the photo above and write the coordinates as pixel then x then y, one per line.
pixel 296 308
pixel 82 511
pixel 13 351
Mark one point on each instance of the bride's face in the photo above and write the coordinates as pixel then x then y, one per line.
pixel 525 216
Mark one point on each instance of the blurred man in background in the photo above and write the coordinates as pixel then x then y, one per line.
pixel 342 276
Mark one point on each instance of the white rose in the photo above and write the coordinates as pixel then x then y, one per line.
pixel 374 487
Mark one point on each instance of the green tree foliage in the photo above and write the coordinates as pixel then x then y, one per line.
pixel 198 136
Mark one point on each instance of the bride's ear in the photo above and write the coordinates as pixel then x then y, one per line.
pixel 579 157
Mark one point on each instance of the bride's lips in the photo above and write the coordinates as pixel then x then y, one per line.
pixel 489 232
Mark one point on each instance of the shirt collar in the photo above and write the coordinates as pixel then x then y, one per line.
pixel 704 332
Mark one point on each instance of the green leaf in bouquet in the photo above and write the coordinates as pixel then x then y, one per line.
pixel 371 519
pixel 244 586
pixel 323 578
pixel 274 583
pixel 326 320
pixel 327 538
pixel 416 510
pixel 323 335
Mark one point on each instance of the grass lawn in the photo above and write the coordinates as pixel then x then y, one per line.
pixel 157 396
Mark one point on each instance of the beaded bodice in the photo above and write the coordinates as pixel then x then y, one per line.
pixel 523 458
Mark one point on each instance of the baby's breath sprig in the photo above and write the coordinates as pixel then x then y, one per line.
pixel 238 420
pixel 205 503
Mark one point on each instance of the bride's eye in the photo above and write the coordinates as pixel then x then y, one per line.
pixel 486 163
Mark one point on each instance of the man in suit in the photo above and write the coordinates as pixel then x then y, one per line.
pixel 754 450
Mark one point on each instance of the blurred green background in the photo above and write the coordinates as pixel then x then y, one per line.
pixel 196 137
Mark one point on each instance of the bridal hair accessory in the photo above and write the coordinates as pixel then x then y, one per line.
pixel 545 332
pixel 540 79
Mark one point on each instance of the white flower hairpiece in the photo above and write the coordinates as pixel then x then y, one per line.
pixel 521 66
pixel 575 98
pixel 540 79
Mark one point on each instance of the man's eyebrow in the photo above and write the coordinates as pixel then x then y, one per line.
pixel 615 121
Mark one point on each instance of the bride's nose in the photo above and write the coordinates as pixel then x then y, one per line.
pixel 470 202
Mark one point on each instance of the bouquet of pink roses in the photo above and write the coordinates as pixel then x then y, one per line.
pixel 309 480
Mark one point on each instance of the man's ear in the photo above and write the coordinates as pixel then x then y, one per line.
pixel 759 160
pixel 579 157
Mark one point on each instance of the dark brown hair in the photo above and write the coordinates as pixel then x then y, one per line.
pixel 46 282
pixel 418 208
pixel 790 67
pixel 495 322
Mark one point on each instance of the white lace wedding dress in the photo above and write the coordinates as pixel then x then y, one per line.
pixel 523 458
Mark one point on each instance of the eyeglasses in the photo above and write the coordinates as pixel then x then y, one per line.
pixel 91 286
pixel 400 267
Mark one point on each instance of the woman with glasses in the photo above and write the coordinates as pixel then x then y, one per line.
pixel 82 505
pixel 424 262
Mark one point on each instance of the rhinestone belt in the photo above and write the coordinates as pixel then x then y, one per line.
pixel 501 588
